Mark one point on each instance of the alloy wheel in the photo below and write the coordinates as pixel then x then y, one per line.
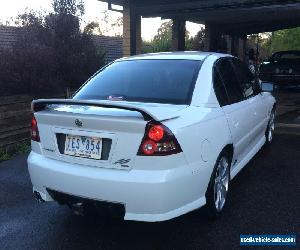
pixel 271 127
pixel 221 183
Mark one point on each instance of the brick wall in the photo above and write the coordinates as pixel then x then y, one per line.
pixel 8 36
pixel 113 46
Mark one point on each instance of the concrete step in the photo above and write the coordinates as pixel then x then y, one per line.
pixel 285 128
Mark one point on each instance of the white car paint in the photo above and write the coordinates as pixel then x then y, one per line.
pixel 152 188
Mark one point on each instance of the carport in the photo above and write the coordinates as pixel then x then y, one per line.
pixel 231 19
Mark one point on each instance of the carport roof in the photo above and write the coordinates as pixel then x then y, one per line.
pixel 231 16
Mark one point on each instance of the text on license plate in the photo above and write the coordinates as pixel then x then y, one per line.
pixel 82 146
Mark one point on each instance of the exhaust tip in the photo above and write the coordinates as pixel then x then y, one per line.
pixel 38 197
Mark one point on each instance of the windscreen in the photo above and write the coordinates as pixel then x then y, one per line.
pixel 155 81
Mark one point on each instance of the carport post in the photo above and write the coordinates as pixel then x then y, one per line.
pixel 242 47
pixel 178 35
pixel 238 46
pixel 132 39
pixel 212 37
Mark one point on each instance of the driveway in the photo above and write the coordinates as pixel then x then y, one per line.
pixel 265 199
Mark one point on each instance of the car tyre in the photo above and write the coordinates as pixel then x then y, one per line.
pixel 218 187
pixel 270 128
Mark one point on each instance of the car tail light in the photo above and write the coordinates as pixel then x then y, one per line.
pixel 34 130
pixel 156 132
pixel 158 141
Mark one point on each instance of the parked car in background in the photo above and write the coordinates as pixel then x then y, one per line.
pixel 283 68
pixel 151 136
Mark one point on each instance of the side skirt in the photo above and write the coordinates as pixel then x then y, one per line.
pixel 248 157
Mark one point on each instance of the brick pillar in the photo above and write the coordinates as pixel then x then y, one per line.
pixel 212 37
pixel 242 48
pixel 228 39
pixel 235 46
pixel 238 46
pixel 132 39
pixel 178 35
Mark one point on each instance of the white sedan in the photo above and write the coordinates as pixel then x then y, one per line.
pixel 151 136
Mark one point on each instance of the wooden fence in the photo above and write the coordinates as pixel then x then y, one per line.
pixel 15 117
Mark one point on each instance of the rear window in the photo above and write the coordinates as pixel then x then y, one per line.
pixel 156 81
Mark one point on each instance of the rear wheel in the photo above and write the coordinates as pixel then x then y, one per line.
pixel 271 128
pixel 218 188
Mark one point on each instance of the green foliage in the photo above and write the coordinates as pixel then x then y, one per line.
pixel 162 41
pixel 4 156
pixel 9 153
pixel 197 43
pixel 23 148
pixel 51 53
pixel 283 40
pixel 92 28
pixel 68 7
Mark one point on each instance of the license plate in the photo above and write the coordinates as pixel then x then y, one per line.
pixel 82 146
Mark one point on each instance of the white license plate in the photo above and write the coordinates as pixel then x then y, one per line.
pixel 83 146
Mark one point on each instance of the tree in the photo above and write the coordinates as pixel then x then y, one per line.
pixel 77 57
pixel 92 28
pixel 162 41
pixel 51 53
pixel 68 7
pixel 111 23
pixel 197 42
pixel 288 39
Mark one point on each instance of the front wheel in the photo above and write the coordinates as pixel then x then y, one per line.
pixel 271 128
pixel 218 187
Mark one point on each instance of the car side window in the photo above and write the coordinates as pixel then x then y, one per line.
pixel 220 90
pixel 229 78
pixel 245 77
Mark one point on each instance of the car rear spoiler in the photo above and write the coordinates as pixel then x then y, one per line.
pixel 39 105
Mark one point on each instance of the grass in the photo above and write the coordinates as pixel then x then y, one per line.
pixel 4 156
pixel 12 151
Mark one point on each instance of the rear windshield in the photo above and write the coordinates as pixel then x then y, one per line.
pixel 156 81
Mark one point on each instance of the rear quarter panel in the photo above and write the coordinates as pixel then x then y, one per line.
pixel 202 134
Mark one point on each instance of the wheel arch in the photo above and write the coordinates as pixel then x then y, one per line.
pixel 229 149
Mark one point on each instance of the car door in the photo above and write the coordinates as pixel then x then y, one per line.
pixel 255 101
pixel 237 109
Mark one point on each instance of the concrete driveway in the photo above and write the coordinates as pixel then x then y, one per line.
pixel 288 110
pixel 265 199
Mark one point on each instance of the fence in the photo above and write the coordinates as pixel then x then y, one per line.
pixel 15 117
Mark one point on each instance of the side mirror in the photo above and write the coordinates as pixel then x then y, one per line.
pixel 267 86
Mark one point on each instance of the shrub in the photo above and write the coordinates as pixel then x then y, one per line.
pixel 51 53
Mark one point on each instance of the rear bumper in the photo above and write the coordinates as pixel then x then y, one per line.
pixel 156 195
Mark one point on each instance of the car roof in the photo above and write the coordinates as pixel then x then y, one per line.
pixel 185 55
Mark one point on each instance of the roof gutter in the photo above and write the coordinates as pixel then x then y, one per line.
pixel 113 9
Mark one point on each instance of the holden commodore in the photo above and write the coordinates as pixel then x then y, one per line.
pixel 151 137
pixel 283 68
